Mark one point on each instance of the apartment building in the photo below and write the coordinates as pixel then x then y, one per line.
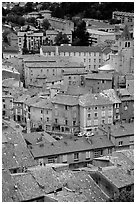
pixel 65 114
pixel 97 37
pixel 130 83
pixel 112 95
pixel 7 106
pixel 41 115
pixel 34 40
pixel 76 153
pixel 99 81
pixel 47 67
pixel 95 110
pixel 124 17
pixel 91 57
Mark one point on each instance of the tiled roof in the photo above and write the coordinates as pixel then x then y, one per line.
pixel 120 130
pixel 93 99
pixel 66 48
pixel 29 101
pixel 36 137
pixel 27 186
pixel 99 76
pixel 65 100
pixel 20 151
pixel 62 147
pixel 22 98
pixel 129 153
pixel 111 94
pixel 43 103
pixel 106 67
pixel 118 176
pixel 97 32
pixel 76 186
pixel 9 194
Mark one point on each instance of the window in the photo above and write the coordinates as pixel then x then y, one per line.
pixel 89 115
pixel 89 60
pixel 94 60
pixel 76 156
pixel 56 120
pixel 110 113
pixel 47 119
pixel 69 77
pixel 89 66
pixel 89 109
pixel 52 160
pixel 109 120
pixel 84 53
pixel 74 122
pixel 125 44
pixel 102 81
pixel 66 122
pixel 88 155
pixel 11 100
pixel 64 158
pixel 84 60
pixel 79 53
pixel 41 111
pixel 128 44
pixel 41 70
pixel 47 112
pixel 94 66
pixel 66 107
pixel 41 119
pixel 95 114
pixel 95 122
pixel 95 107
pixel 103 121
pixel 4 106
pixel 3 100
pixel 120 143
pixel 103 113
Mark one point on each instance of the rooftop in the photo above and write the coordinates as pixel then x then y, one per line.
pixel 106 67
pixel 43 103
pixel 118 176
pixel 27 186
pixel 94 99
pixel 97 32
pixel 77 91
pixel 99 76
pixel 19 150
pixel 65 147
pixel 66 48
pixel 65 100
pixel 76 186
pixel 35 138
pixel 111 94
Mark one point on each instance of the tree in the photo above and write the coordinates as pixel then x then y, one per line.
pixel 25 49
pixel 80 35
pixel 124 196
pixel 45 24
pixel 61 39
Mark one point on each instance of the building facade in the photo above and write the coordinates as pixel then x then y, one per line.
pixel 91 57
pixel 95 110
pixel 7 106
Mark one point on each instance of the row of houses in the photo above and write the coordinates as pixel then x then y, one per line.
pixel 47 173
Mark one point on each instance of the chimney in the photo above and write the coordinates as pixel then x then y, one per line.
pixel 28 126
pixel 56 51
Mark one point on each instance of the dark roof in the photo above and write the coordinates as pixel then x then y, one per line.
pixel 118 176
pixel 9 194
pixel 27 186
pixel 35 137
pixel 94 99
pixel 65 100
pixel 10 49
pixel 62 147
pixel 76 186
pixel 20 153
pixel 66 48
